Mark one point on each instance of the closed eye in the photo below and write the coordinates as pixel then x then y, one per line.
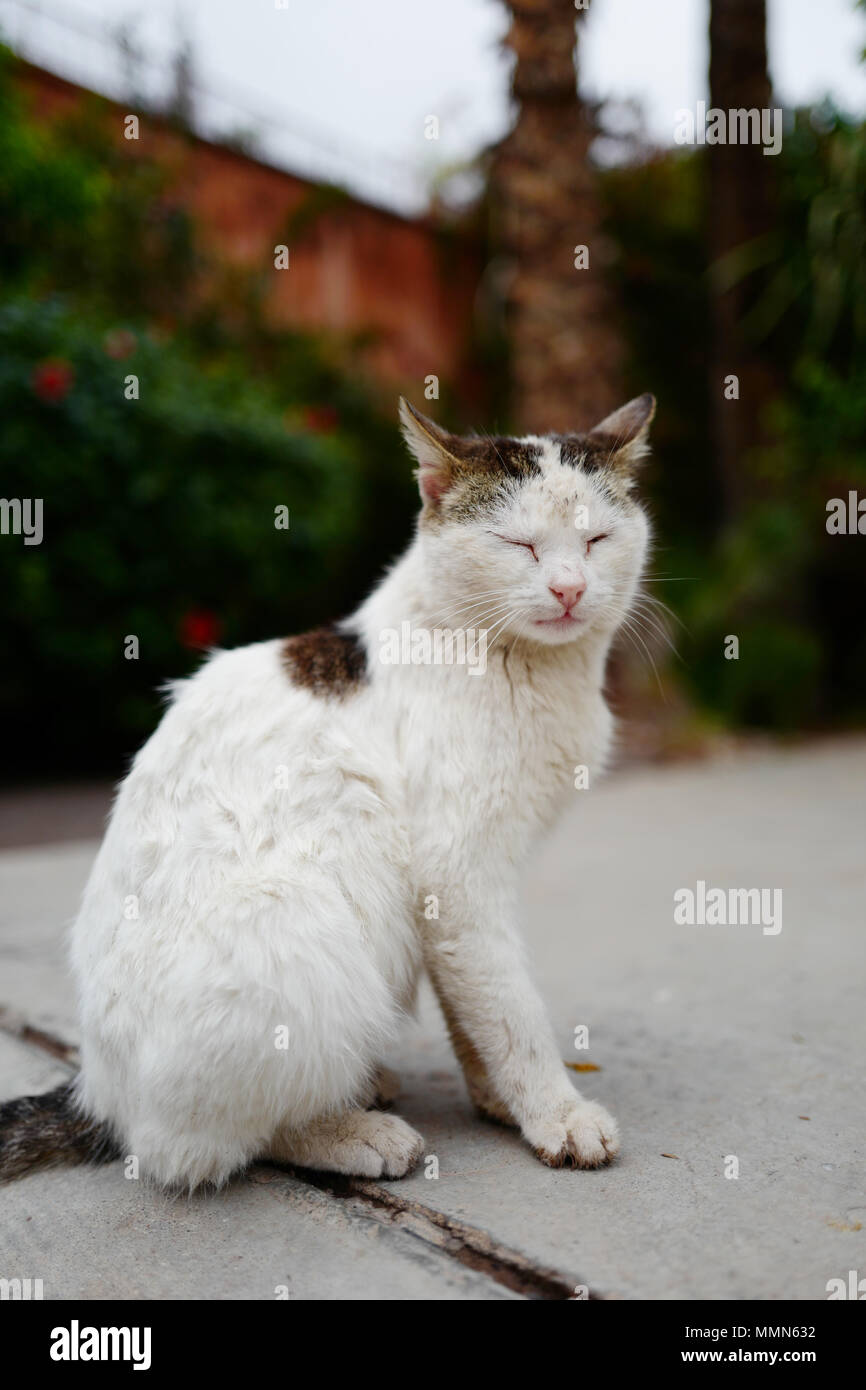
pixel 602 536
pixel 527 545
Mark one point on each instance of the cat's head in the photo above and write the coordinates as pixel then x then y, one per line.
pixel 540 536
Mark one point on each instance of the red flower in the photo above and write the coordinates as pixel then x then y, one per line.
pixel 200 628
pixel 321 419
pixel 52 380
pixel 120 343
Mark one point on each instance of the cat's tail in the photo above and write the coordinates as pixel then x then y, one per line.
pixel 43 1131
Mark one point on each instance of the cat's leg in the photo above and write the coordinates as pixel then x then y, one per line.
pixel 361 1143
pixel 386 1088
pixel 381 1090
pixel 478 1082
pixel 476 962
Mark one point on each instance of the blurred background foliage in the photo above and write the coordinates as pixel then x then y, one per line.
pixel 161 523
pixel 772 574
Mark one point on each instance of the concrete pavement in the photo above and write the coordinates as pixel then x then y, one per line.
pixel 732 1056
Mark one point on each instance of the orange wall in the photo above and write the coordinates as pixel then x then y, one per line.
pixel 354 268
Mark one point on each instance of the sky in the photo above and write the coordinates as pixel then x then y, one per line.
pixel 342 89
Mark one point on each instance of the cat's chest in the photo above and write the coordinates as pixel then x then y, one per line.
pixel 503 747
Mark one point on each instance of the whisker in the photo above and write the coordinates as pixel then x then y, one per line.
pixel 451 616
pixel 633 634
pixel 654 623
pixel 499 626
pixel 633 643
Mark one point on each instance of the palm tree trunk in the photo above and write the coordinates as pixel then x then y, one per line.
pixel 740 210
pixel 565 350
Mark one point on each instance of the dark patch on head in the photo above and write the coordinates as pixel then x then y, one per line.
pixel 618 442
pixel 579 451
pixel 594 458
pixel 326 661
pixel 499 454
pixel 572 449
pixel 484 467
pixel 461 476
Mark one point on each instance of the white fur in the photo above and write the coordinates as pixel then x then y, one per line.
pixel 278 849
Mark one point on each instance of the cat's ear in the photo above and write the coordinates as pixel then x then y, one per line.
pixel 433 449
pixel 623 437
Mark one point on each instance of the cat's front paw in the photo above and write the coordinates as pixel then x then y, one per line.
pixel 585 1137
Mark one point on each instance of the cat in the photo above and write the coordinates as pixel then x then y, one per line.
pixel 310 827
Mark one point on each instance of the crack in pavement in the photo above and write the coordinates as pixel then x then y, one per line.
pixel 468 1245
pixel 15 1026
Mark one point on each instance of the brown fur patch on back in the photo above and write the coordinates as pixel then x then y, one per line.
pixel 325 661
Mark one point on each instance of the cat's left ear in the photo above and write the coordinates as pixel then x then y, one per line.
pixel 623 437
pixel 434 449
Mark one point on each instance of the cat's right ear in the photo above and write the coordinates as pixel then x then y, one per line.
pixel 432 448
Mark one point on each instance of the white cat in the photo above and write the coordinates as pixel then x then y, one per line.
pixel 309 827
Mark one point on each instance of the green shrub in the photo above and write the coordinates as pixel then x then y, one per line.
pixel 159 522
pixel 772 576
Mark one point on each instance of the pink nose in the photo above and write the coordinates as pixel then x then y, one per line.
pixel 568 594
